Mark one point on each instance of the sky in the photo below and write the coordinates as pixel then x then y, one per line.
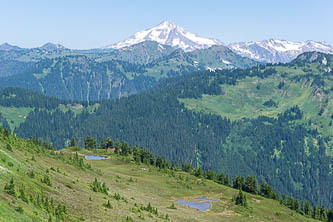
pixel 85 24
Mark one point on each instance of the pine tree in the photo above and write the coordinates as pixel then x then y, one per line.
pixel 323 214
pixel 22 194
pixel 330 215
pixel 307 208
pixel 102 145
pixel 241 199
pixel 109 143
pixel 10 188
pixel 266 190
pixel 239 183
pixel 117 147
pixel 251 185
pixel 73 143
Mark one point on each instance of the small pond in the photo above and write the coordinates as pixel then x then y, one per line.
pixel 92 157
pixel 201 204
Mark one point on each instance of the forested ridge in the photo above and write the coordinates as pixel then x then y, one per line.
pixel 284 151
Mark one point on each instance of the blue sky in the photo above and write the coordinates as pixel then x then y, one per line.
pixel 83 24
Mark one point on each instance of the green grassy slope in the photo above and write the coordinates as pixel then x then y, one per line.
pixel 137 184
pixel 308 85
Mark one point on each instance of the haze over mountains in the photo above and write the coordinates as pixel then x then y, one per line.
pixel 170 34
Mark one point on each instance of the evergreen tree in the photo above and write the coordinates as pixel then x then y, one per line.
pixel 251 185
pixel 10 188
pixel 239 183
pixel 210 175
pixel 90 142
pixel 198 172
pixel 330 215
pixel 109 143
pixel 117 148
pixel 323 214
pixel 307 208
pixel 73 143
pixel 102 145
pixel 241 199
pixel 316 213
pixel 266 190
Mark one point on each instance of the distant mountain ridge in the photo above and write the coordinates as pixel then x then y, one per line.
pixel 275 51
pixel 172 36
pixel 7 47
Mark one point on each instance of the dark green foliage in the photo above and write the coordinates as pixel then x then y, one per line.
pixel 117 196
pixel 149 208
pixel 90 142
pixel 73 142
pixel 9 147
pixel 46 180
pixel 330 215
pixel 108 205
pixel 307 209
pixel 251 185
pixel 102 144
pixel 109 143
pixel 97 186
pixel 316 213
pixel 22 195
pixel 4 122
pixel 239 183
pixel 241 199
pixel 173 207
pixel 31 174
pixel 129 219
pixel 125 149
pixel 198 172
pixel 270 103
pixel 266 191
pixel 77 161
pixel 10 188
pixel 323 214
pixel 210 175
pixel 19 209
pixel 187 167
pixel 223 179
pixel 281 85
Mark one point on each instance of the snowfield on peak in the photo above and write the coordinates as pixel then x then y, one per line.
pixel 275 51
pixel 168 33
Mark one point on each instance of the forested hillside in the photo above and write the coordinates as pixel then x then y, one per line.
pixel 91 75
pixel 204 119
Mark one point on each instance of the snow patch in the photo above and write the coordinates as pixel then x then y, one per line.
pixel 168 33
pixel 225 61
pixel 275 51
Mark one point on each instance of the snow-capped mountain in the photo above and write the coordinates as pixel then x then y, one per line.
pixel 168 33
pixel 275 51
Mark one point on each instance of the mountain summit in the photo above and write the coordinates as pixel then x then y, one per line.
pixel 52 47
pixel 168 33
